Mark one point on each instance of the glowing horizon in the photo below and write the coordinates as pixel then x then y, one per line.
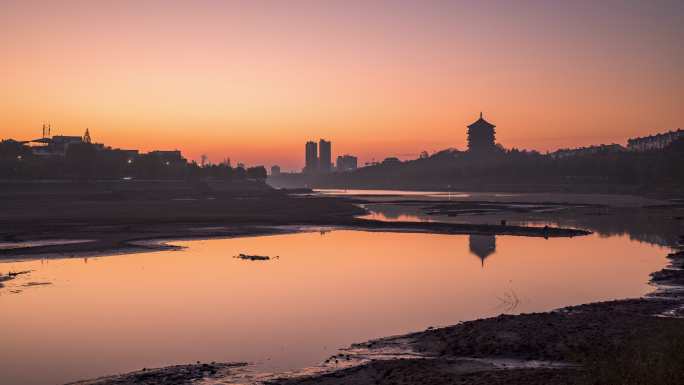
pixel 254 82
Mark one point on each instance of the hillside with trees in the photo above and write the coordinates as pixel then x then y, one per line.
pixel 87 161
pixel 516 170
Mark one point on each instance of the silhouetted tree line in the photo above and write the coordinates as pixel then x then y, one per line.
pixel 458 168
pixel 87 161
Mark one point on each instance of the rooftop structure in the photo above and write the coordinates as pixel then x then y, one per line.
pixel 168 157
pixel 53 146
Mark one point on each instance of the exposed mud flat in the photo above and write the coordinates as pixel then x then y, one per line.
pixel 38 243
pixel 171 375
pixel 45 222
pixel 118 239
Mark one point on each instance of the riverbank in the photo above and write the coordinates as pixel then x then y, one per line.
pixel 97 220
pixel 87 240
pixel 66 219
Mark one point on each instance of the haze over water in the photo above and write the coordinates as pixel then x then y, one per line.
pixel 325 291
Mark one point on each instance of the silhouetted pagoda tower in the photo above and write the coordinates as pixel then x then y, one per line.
pixel 481 136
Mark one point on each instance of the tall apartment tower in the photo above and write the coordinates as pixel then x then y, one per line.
pixel 311 156
pixel 325 156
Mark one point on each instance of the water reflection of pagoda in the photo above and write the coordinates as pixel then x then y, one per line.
pixel 482 246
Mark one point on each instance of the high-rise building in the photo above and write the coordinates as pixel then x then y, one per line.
pixel 275 170
pixel 346 163
pixel 325 156
pixel 481 136
pixel 311 155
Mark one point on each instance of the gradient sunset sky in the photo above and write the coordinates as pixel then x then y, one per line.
pixel 253 80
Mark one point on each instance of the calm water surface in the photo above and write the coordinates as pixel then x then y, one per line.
pixel 327 290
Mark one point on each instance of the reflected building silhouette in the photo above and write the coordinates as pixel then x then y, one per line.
pixel 482 246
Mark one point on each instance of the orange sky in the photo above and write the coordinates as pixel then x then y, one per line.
pixel 254 80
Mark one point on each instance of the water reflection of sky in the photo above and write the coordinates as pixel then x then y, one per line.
pixel 408 194
pixel 326 291
pixel 392 192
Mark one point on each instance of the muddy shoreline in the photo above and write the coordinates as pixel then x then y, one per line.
pixel 98 239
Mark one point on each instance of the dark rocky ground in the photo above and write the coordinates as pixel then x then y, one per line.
pixel 437 371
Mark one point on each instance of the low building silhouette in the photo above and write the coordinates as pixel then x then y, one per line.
pixel 55 146
pixel 173 156
pixel 601 148
pixel 654 142
pixel 346 163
